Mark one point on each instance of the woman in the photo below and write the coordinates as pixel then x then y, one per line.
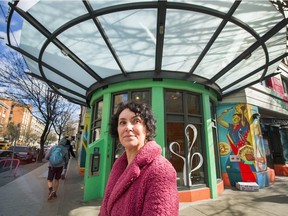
pixel 141 182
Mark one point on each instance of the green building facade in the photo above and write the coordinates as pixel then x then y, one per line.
pixel 176 105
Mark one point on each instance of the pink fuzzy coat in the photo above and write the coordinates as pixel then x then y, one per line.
pixel 146 187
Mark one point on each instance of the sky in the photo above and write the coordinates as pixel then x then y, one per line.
pixel 16 26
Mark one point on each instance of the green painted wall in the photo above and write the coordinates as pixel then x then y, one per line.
pixel 95 185
pixel 158 110
pixel 210 155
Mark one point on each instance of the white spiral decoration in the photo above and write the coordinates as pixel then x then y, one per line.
pixel 189 157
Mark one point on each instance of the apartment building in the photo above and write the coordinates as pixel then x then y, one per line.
pixel 20 115
pixel 36 130
pixel 3 113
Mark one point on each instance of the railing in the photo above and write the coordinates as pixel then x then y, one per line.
pixel 8 163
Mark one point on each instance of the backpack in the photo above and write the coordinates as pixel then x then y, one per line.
pixel 56 156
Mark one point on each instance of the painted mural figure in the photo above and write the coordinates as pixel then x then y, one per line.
pixel 240 163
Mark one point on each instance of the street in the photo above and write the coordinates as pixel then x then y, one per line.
pixel 23 169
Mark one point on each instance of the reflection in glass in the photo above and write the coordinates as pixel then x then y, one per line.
pixel 96 120
pixel 193 104
pixel 173 102
pixel 141 96
pixel 175 132
pixel 120 98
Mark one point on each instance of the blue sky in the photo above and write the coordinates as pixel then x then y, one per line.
pixel 16 26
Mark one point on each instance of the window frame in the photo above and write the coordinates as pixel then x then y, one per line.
pixel 116 145
pixel 186 118
pixel 96 121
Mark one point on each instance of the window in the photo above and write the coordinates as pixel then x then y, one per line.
pixel 181 109
pixel 123 97
pixel 137 95
pixel 285 84
pixel 96 121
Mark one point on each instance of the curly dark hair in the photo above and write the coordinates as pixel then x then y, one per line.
pixel 145 114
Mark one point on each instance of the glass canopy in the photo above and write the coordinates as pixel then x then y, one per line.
pixel 80 46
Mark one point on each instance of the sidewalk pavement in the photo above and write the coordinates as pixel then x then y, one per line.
pixel 27 195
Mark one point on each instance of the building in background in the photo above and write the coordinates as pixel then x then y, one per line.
pixel 19 115
pixel 3 120
pixel 35 131
pixel 29 128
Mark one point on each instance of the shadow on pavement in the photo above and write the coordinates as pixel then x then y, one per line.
pixel 282 199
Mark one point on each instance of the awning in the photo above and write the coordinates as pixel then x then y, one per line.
pixel 80 46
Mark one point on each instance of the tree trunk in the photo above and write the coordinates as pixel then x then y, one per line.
pixel 42 143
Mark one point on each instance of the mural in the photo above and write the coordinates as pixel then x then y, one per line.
pixel 189 159
pixel 241 144
pixel 84 139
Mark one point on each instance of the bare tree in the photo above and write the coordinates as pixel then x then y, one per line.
pixel 71 128
pixel 47 106
pixel 51 137
pixel 63 119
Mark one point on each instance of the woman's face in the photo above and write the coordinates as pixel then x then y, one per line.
pixel 131 130
pixel 235 119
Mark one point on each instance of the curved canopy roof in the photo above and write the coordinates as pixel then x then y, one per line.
pixel 79 46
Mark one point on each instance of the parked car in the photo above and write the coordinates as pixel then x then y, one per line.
pixel 24 153
pixel 6 154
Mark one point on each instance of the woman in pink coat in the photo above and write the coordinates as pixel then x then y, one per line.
pixel 142 181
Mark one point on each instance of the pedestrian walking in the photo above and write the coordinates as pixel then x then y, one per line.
pixel 70 153
pixel 57 157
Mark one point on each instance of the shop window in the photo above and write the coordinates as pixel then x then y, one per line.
pixel 143 96
pixel 181 110
pixel 96 121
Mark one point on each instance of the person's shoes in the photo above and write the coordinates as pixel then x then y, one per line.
pixel 55 196
pixel 51 195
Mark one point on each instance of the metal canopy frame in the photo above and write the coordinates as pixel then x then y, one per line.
pixel 254 41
